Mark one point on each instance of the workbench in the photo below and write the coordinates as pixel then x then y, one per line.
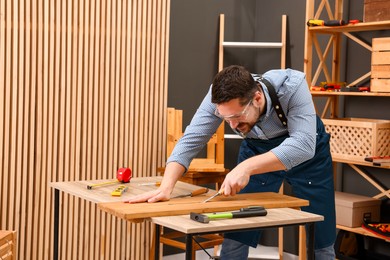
pixel 278 217
pixel 176 207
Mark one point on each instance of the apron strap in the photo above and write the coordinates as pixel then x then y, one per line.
pixel 275 101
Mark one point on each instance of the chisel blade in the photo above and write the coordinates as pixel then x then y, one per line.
pixel 212 197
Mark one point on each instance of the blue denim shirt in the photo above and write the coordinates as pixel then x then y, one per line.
pixel 295 98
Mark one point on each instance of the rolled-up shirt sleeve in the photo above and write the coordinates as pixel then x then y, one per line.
pixel 196 135
pixel 300 145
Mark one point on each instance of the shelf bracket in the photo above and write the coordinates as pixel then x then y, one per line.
pixel 384 191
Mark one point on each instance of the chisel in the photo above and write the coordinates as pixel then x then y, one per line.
pixel 193 193
pixel 215 195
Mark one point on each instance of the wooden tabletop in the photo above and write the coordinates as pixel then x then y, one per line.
pixel 103 193
pixel 177 206
pixel 274 217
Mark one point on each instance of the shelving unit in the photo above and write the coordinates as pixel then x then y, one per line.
pixel 331 54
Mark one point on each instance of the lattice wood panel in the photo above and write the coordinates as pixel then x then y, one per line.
pixel 83 88
pixel 357 138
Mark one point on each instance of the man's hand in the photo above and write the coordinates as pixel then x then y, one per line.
pixel 173 171
pixel 151 196
pixel 239 177
pixel 235 181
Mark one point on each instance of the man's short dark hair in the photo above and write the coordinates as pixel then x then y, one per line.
pixel 233 82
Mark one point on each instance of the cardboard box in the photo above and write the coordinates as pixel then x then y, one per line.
pixel 380 64
pixel 351 209
pixel 376 10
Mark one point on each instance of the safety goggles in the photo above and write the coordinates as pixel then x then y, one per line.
pixel 236 117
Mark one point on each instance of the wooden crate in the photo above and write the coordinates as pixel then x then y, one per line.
pixel 380 65
pixel 376 10
pixel 7 245
pixel 356 138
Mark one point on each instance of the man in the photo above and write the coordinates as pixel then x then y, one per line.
pixel 283 139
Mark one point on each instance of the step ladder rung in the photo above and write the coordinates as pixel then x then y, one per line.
pixel 253 44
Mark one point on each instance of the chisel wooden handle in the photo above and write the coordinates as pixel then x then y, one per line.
pixel 199 191
pixel 193 193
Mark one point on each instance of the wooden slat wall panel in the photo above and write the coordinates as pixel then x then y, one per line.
pixel 83 88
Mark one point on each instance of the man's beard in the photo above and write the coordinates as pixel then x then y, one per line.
pixel 244 128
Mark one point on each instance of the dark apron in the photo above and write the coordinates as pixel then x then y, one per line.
pixel 311 180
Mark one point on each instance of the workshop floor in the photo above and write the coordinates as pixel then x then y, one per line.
pixel 261 252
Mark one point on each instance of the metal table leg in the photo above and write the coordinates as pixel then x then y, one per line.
pixel 157 242
pixel 56 222
pixel 188 247
pixel 310 241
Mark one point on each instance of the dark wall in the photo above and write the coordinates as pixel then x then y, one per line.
pixel 193 60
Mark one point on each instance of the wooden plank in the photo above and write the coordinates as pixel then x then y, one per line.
pixel 80 88
pixel 132 69
pixel 380 71
pixel 2 101
pixel 118 143
pixel 14 89
pixel 147 167
pixel 138 86
pixel 381 44
pixel 156 95
pixel 221 40
pixel 163 12
pixel 380 58
pixel 50 66
pixel 360 230
pixel 23 232
pixel 21 127
pixel 121 76
pixel 43 119
pixel 126 109
pixel 7 114
pixel 284 42
pixel 107 124
pixel 358 41
pixel 68 133
pixel 274 217
pixel 136 50
pixel 308 50
pixel 302 243
pixel 39 139
pixel 380 85
pixel 194 204
pixel 31 250
pixel 91 131
pixel 83 72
